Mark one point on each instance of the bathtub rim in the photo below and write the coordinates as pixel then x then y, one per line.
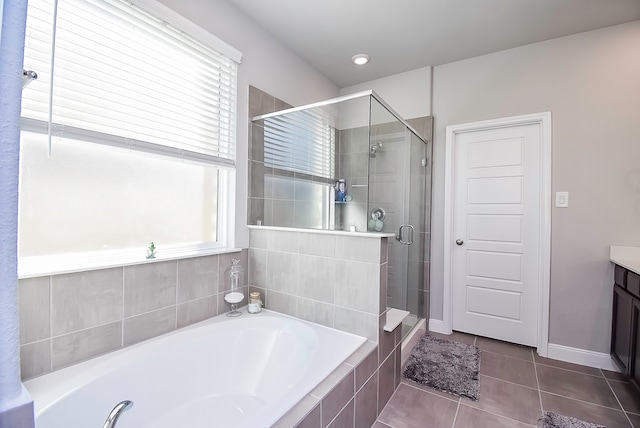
pixel 49 388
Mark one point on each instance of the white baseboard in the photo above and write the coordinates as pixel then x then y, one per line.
pixel 584 357
pixel 437 326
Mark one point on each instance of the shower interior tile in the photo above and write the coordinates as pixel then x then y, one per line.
pixel 283 213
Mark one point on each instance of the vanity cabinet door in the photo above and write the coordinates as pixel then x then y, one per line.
pixel 635 354
pixel 621 335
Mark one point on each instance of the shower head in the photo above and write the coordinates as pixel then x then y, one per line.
pixel 373 149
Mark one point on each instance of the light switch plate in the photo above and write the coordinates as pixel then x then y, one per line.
pixel 562 199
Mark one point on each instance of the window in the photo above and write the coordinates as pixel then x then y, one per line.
pixel 300 141
pixel 128 135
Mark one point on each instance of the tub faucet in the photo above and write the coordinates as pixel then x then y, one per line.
pixel 120 408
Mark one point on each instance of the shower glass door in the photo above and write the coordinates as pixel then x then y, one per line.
pixel 397 195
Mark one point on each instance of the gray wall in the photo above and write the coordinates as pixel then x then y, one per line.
pixel 591 84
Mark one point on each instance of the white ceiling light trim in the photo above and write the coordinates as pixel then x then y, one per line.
pixel 360 59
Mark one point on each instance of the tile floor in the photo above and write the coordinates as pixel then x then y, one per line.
pixel 516 385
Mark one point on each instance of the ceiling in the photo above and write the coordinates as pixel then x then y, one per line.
pixel 402 35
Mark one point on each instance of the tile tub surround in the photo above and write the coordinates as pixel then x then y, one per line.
pixel 354 395
pixel 336 279
pixel 65 319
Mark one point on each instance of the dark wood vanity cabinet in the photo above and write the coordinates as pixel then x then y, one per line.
pixel 625 334
pixel 621 334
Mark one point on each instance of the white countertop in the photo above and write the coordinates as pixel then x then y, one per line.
pixel 627 257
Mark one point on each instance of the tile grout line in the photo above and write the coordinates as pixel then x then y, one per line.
pixel 569 370
pixel 535 370
pixel 494 414
pixel 429 392
pixel 584 401
pixel 455 417
pixel 509 356
pixel 509 382
pixel 617 400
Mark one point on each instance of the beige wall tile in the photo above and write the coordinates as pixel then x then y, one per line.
pixel 314 311
pixel 358 248
pixel 316 278
pixel 258 267
pixel 197 310
pixel 282 270
pixel 356 322
pixel 82 345
pixel 152 324
pixel 197 277
pixel 281 302
pixel 318 244
pixel 357 286
pixel 278 240
pixel 34 309
pixel 149 286
pixel 35 359
pixel 85 299
pixel 258 238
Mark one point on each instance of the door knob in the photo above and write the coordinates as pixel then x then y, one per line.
pixel 459 241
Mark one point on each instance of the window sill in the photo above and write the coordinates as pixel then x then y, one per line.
pixel 31 267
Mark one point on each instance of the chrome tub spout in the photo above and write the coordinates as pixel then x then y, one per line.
pixel 120 408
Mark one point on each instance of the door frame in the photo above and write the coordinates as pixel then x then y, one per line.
pixel 544 268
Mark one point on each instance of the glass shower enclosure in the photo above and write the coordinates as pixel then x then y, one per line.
pixel 349 164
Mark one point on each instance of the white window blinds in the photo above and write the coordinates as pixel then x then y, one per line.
pixel 300 141
pixel 119 76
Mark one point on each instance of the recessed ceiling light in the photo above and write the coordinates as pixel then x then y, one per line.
pixel 360 59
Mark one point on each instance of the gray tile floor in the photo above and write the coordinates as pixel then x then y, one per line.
pixel 516 386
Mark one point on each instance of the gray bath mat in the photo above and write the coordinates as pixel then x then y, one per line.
pixel 445 365
pixel 554 420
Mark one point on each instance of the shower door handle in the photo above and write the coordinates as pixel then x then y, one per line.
pixel 401 234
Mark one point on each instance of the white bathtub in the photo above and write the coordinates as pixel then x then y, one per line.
pixel 223 372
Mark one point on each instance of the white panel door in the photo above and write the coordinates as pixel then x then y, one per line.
pixel 496 226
